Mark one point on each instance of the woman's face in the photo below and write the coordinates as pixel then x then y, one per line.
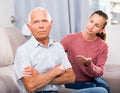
pixel 95 24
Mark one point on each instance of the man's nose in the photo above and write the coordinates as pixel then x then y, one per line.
pixel 41 24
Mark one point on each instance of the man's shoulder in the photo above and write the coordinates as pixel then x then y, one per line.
pixel 58 44
pixel 24 45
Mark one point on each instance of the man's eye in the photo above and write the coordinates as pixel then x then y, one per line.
pixel 45 22
pixel 34 22
pixel 91 21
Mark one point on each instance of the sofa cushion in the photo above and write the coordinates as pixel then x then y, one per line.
pixel 10 39
pixel 6 54
pixel 7 85
pixel 16 38
pixel 8 71
pixel 112 76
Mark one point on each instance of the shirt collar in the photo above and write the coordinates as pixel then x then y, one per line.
pixel 36 43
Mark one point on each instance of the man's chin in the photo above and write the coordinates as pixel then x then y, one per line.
pixel 42 38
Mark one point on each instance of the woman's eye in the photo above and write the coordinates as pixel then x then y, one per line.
pixel 97 26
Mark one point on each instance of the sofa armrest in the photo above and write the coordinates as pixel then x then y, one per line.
pixel 112 77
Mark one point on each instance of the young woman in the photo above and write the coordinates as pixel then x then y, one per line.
pixel 87 51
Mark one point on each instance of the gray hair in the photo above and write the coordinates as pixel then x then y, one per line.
pixel 42 9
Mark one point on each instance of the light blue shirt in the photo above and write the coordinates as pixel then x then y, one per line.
pixel 42 58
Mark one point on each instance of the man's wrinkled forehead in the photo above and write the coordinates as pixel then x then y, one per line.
pixel 38 12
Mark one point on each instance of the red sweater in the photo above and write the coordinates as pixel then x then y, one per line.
pixel 75 44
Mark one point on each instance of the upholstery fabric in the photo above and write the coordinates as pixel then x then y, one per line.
pixel 112 76
pixel 10 39
pixel 7 85
pixel 16 38
pixel 6 54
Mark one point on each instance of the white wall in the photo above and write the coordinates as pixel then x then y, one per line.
pixel 113 40
pixel 113 32
pixel 6 11
pixel 84 13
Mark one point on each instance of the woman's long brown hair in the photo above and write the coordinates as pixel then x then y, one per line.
pixel 102 35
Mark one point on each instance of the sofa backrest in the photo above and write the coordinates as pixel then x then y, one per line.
pixel 10 39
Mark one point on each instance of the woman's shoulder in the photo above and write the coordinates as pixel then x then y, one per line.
pixel 102 43
pixel 74 35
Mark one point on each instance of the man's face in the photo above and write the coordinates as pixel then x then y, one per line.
pixel 40 25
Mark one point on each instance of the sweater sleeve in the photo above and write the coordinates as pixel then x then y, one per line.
pixel 96 70
pixel 65 42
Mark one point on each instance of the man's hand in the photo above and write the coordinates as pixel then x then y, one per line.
pixel 30 72
pixel 33 79
pixel 59 69
pixel 84 60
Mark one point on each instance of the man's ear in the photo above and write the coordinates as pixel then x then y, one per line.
pixel 51 21
pixel 28 26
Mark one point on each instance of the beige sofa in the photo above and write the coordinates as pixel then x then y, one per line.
pixel 112 76
pixel 10 39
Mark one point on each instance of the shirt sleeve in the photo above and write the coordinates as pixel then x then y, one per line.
pixel 64 58
pixel 20 62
